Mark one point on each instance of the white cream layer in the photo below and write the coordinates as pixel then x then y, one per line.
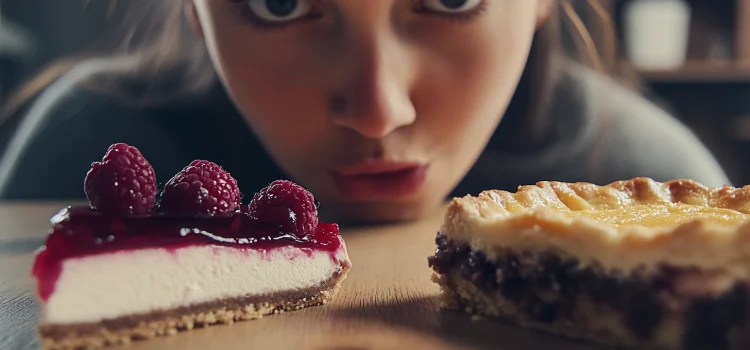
pixel 106 286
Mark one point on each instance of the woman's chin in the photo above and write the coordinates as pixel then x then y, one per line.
pixel 376 213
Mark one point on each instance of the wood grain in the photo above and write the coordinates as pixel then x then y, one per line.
pixel 388 301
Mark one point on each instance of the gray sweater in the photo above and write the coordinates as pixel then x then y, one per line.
pixel 603 133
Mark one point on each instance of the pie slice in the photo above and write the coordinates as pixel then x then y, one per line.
pixel 121 270
pixel 635 263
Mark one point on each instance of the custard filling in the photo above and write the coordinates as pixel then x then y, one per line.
pixel 670 215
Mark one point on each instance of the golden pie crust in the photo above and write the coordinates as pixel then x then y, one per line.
pixel 637 223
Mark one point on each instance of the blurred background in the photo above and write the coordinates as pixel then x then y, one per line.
pixel 693 56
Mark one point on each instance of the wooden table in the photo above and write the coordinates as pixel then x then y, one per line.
pixel 387 302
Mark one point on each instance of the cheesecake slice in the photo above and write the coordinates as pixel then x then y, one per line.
pixel 636 263
pixel 107 280
pixel 125 268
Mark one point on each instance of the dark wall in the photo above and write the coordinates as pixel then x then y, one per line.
pixel 54 29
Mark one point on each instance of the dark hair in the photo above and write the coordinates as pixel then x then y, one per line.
pixel 160 53
pixel 151 40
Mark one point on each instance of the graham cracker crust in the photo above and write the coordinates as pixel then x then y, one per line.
pixel 126 329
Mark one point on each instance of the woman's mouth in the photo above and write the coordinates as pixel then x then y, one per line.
pixel 379 180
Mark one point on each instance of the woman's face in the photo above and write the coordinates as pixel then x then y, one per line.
pixel 378 107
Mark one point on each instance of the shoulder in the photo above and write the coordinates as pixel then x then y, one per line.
pixel 601 132
pixel 634 137
pixel 67 127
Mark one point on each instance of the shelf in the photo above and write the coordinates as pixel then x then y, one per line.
pixel 716 28
pixel 700 72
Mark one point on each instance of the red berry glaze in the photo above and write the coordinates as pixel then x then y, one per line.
pixel 287 206
pixel 123 183
pixel 200 189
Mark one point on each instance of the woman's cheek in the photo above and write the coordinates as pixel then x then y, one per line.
pixel 465 92
pixel 473 69
pixel 283 104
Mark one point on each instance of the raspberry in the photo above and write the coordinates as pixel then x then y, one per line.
pixel 287 206
pixel 200 189
pixel 123 183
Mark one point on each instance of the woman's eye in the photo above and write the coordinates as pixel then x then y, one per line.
pixel 451 6
pixel 279 10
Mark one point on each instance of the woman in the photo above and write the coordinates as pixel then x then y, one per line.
pixel 381 108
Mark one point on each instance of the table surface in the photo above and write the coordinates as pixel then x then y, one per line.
pixel 387 302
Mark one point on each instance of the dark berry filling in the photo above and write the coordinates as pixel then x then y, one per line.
pixel 548 286
pixel 82 231
pixel 709 321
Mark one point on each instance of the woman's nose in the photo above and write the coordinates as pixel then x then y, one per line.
pixel 374 98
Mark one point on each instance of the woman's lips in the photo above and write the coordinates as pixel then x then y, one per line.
pixel 380 179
